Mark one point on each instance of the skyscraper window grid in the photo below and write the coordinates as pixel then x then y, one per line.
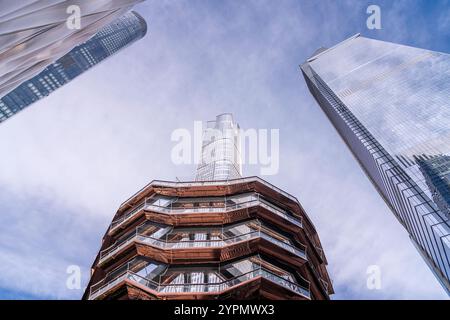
pixel 390 105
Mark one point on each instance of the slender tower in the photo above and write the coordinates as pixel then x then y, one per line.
pixel 219 237
pixel 221 150
pixel 390 104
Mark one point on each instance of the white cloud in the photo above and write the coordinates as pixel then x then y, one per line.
pixel 90 145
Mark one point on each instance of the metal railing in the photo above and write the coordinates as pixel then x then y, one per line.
pixel 171 209
pixel 99 289
pixel 165 244
pixel 187 184
pixel 171 184
pixel 128 215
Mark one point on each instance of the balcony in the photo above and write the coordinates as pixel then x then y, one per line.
pixel 220 240
pixel 161 290
pixel 219 183
pixel 252 200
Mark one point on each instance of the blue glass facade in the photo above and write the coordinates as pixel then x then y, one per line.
pixel 436 170
pixel 111 38
pixel 390 104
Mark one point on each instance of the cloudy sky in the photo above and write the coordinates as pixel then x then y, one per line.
pixel 69 160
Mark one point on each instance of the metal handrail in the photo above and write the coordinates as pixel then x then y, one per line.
pixel 226 208
pixel 171 184
pixel 108 252
pixel 201 287
pixel 127 215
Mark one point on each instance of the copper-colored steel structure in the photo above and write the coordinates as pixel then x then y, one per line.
pixel 238 239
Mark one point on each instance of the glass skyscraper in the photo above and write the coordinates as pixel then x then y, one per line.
pixel 108 40
pixel 35 33
pixel 221 150
pixel 436 170
pixel 391 105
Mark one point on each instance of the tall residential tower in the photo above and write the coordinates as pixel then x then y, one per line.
pixel 35 33
pixel 221 150
pixel 108 40
pixel 391 105
pixel 219 237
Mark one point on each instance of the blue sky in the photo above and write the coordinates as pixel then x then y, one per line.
pixel 70 159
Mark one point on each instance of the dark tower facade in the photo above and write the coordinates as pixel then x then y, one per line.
pixel 120 33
